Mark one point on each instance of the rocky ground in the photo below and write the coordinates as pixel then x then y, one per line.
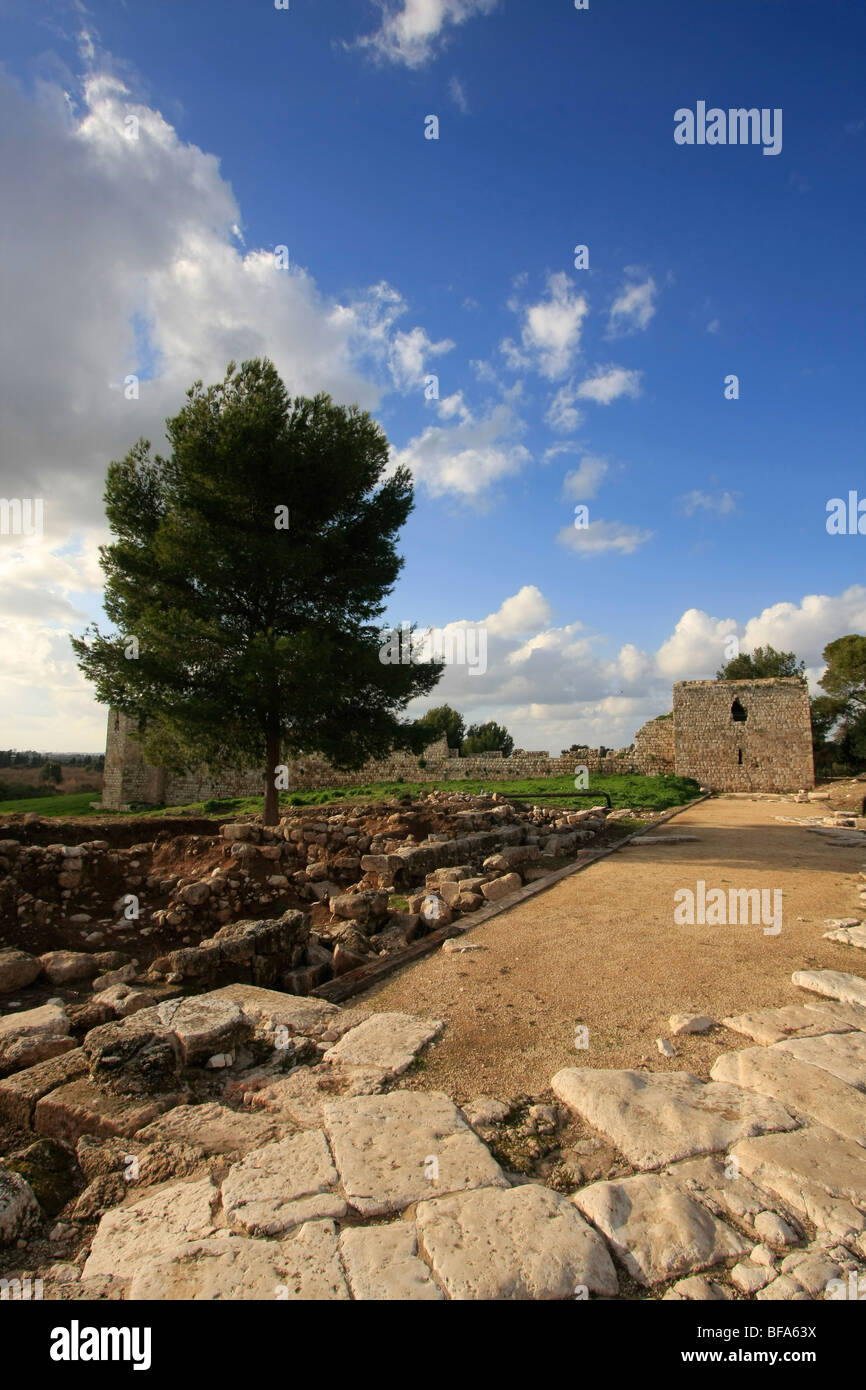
pixel 232 1140
pixel 370 880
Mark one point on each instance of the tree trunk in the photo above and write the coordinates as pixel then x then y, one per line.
pixel 272 797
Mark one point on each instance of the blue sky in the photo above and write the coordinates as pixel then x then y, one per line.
pixel 409 256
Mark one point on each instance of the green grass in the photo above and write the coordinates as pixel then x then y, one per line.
pixel 76 804
pixel 651 793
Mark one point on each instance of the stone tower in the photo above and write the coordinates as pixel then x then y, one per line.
pixel 744 735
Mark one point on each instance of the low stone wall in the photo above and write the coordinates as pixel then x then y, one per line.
pixel 129 779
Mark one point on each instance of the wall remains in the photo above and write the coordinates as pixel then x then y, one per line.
pixel 768 750
pixel 744 735
pixel 654 745
pixel 130 779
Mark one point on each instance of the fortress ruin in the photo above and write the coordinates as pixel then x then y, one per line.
pixel 729 735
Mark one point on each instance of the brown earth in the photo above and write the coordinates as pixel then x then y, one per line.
pixel 601 949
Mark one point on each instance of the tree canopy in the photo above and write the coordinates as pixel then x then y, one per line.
pixel 764 663
pixel 487 738
pixel 245 579
pixel 443 722
pixel 839 717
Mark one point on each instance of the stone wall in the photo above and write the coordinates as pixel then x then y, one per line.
pixel 130 779
pixel 654 745
pixel 744 735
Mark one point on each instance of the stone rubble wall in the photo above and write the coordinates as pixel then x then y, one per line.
pixel 129 779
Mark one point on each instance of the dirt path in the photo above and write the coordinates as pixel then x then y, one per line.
pixel 602 949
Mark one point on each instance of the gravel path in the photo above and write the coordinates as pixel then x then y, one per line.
pixel 602 949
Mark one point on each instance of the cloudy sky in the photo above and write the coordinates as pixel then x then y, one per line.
pixel 152 158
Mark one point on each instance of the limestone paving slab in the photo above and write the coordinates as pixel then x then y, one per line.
pixel 304 1268
pixel 807 1090
pixel 388 1042
pixel 841 1054
pixel 657 1118
pixel 769 1026
pixel 282 1185
pixel 269 1007
pixel 20 1093
pixel 205 1024
pixel 812 1270
pixel 834 984
pixel 80 1107
pixel 854 1015
pixel 127 1236
pixel 212 1127
pixel 657 1230
pixel 727 1193
pixel 395 1149
pixel 819 1174
pixel 848 936
pixel 302 1096
pixel 697 1289
pixel 782 1289
pixel 520 1243
pixel 382 1264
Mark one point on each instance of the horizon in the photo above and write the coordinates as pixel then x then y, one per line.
pixel 580 286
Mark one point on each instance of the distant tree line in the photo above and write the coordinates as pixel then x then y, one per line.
pixel 18 757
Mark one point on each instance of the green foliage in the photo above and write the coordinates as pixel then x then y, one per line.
pixel 487 738
pixel 51 772
pixel 76 804
pixel 442 722
pixel 845 677
pixel 20 791
pixel 839 717
pixel 254 642
pixel 764 663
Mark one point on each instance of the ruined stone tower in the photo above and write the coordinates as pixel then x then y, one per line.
pixel 744 735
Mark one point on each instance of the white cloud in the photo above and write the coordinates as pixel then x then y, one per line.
pixel 466 460
pixel 713 326
pixel 413 31
pixel 807 627
pixel 553 686
pixel 696 648
pixel 123 256
pixel 601 536
pixel 607 384
pixel 458 95
pixel 551 330
pixel 633 308
pixel 562 413
pixel 408 357
pixel 523 612
pixel 717 503
pixel 584 481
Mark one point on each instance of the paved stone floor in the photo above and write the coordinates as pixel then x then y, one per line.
pixel 354 1176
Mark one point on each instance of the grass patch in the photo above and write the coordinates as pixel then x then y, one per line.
pixel 650 793
pixel 76 804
